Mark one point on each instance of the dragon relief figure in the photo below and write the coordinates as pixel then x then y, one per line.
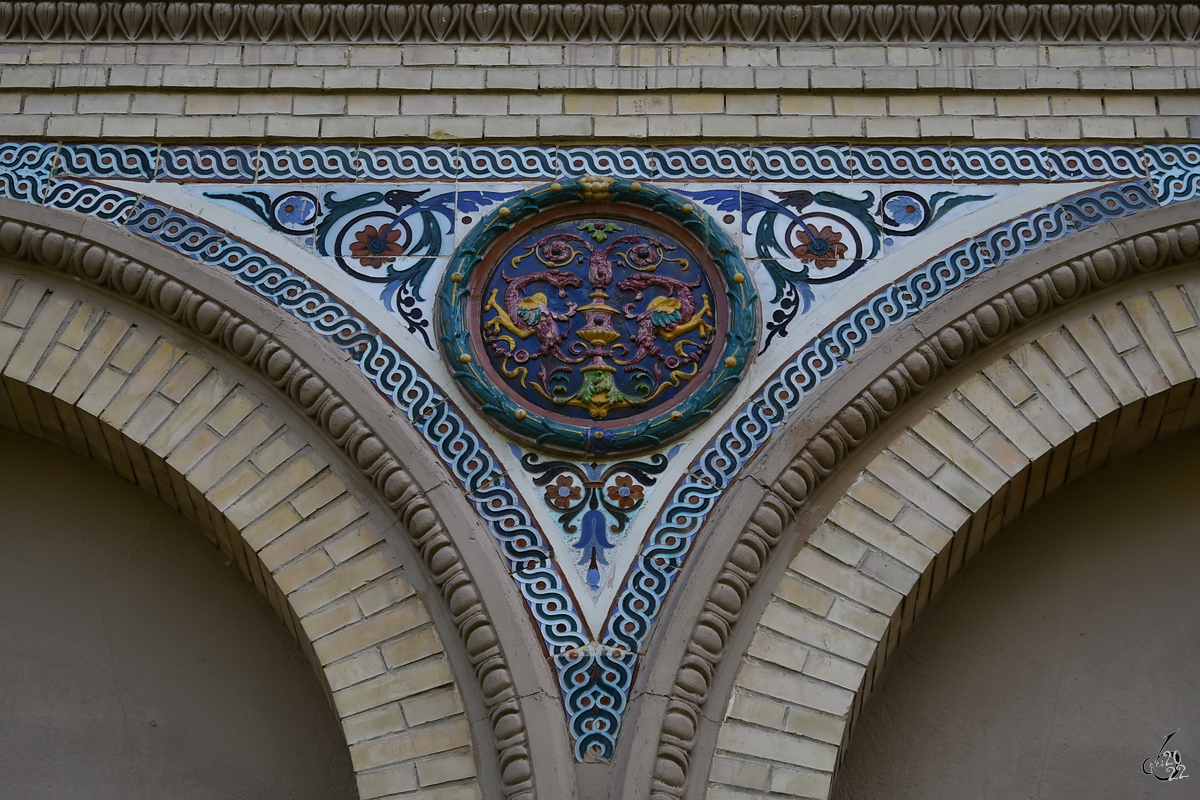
pixel 586 371
pixel 668 316
pixel 530 316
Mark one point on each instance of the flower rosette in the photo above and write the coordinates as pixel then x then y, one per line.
pixel 555 251
pixel 904 213
pixel 624 492
pixel 822 247
pixel 373 246
pixel 644 255
pixel 563 492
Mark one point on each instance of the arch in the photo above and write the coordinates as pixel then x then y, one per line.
pixel 1061 605
pixel 138 661
pixel 206 432
pixel 792 494
pixel 162 416
pixel 1088 388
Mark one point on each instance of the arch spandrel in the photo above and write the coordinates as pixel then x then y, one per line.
pixel 832 435
pixel 1102 370
pixel 161 408
pixel 593 671
pixel 348 150
pixel 597 617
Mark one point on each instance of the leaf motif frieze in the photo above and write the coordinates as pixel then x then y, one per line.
pixel 650 23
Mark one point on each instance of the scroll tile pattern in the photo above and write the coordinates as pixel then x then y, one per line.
pixel 808 217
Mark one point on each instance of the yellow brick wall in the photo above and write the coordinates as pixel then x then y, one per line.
pixel 1042 414
pixel 567 92
pixel 160 414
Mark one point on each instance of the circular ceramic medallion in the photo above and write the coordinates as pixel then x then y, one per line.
pixel 597 315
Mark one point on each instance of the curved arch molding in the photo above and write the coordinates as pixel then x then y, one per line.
pixel 157 411
pixel 1111 378
pixel 596 641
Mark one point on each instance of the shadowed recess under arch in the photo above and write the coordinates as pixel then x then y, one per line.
pixel 137 663
pixel 1057 663
pixel 1108 381
pixel 158 412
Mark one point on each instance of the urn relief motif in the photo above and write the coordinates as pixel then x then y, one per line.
pixel 598 316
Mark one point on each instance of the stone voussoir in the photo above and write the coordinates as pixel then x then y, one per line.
pixel 909 376
pixel 102 267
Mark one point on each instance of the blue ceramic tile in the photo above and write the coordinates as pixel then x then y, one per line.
pixel 1091 162
pixel 691 163
pixel 1101 205
pixel 815 162
pixel 307 163
pixel 902 164
pixel 207 163
pixel 609 162
pixel 507 163
pixel 129 161
pixel 405 162
pixel 1174 171
pixel 377 223
pixel 984 164
pixel 110 205
pixel 292 211
pixel 25 170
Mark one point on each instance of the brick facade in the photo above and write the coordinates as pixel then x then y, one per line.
pixel 157 412
pixel 1016 92
pixel 1044 414
pixel 369 548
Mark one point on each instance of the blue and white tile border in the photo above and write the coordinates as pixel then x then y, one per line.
pixel 595 676
pixel 1162 164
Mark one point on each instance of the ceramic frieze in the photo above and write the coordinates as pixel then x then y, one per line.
pixel 595 341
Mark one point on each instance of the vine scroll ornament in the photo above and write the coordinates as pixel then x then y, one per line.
pixel 390 238
pixel 805 239
pixel 594 503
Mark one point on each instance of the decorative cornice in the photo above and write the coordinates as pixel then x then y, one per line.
pixel 664 23
pixel 101 266
pixel 900 385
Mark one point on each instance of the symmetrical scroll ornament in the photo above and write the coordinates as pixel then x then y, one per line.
pixel 390 239
pixel 855 424
pixel 800 235
pixel 593 503
pixel 163 294
pixel 595 22
pixel 580 322
pixel 826 236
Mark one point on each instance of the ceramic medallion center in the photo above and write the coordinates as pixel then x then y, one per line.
pixel 597 316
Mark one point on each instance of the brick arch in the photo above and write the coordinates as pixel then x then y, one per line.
pixel 160 413
pixel 207 321
pixel 1107 381
pixel 797 481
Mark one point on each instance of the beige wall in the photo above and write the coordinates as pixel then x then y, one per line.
pixel 1010 92
pixel 136 662
pixel 1059 660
